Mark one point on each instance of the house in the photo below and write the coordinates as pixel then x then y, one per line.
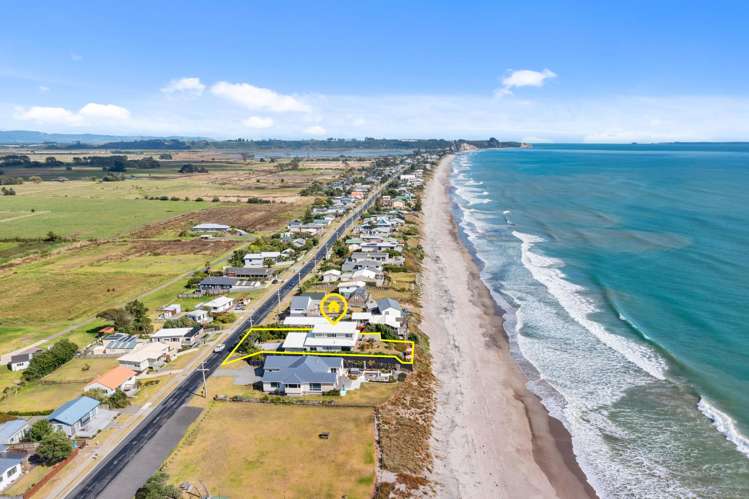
pixel 118 343
pixel 10 470
pixel 181 337
pixel 358 194
pixel 302 375
pixel 377 256
pixel 72 416
pixel 250 273
pixel 210 227
pixel 200 316
pixel 386 311
pixel 359 298
pixel 341 336
pixel 21 361
pixel 218 305
pixel 306 304
pixel 13 431
pixel 294 341
pixel 149 356
pixel 219 284
pixel 288 253
pixel 352 266
pixel 348 287
pixel 258 259
pixel 331 275
pixel 368 276
pixel 117 378
pixel 170 311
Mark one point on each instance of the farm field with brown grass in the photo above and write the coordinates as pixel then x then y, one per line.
pixel 275 451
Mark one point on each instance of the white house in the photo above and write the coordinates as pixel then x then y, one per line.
pixel 302 374
pixel 200 316
pixel 21 361
pixel 13 431
pixel 258 259
pixel 294 341
pixel 341 336
pixel 150 355
pixel 218 305
pixel 170 311
pixel 306 304
pixel 211 227
pixel 178 336
pixel 117 378
pixel 331 275
pixel 10 471
pixel 348 287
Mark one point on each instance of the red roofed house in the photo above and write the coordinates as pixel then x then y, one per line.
pixel 118 377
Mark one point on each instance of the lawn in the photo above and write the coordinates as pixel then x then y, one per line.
pixel 64 384
pixel 274 451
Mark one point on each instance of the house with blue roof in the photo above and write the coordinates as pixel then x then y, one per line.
pixel 12 432
pixel 302 374
pixel 73 416
pixel 10 470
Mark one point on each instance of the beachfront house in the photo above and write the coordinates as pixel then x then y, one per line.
pixel 13 431
pixel 306 304
pixel 218 305
pixel 148 356
pixel 348 287
pixel 73 416
pixel 179 337
pixel 302 375
pixel 117 378
pixel 339 337
pixel 10 470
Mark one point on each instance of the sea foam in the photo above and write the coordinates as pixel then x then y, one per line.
pixel 726 425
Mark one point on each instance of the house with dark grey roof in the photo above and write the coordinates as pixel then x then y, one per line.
pixel 306 304
pixel 21 361
pixel 302 375
pixel 250 273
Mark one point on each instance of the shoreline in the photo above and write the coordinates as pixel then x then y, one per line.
pixel 491 435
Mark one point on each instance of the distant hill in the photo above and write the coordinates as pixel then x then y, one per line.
pixel 23 137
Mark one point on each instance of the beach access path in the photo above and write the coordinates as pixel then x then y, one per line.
pixel 491 437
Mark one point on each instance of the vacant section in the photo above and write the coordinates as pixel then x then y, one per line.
pixel 276 451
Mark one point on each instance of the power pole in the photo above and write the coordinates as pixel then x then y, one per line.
pixel 205 386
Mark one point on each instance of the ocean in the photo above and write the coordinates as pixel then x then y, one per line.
pixel 624 270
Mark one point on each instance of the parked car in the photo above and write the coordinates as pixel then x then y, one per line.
pixel 219 348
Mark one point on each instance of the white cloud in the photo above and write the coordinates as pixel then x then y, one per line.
pixel 104 112
pixel 258 122
pixel 315 130
pixel 43 89
pixel 76 57
pixel 91 113
pixel 184 86
pixel 47 115
pixel 253 97
pixel 524 78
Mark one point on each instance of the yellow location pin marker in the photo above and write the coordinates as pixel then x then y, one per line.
pixel 333 307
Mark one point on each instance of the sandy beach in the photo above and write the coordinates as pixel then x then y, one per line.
pixel 491 436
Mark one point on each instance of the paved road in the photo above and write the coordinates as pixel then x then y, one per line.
pixel 111 466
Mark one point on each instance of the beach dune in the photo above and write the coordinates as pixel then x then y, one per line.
pixel 491 436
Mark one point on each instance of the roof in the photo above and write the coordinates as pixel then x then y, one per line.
pixel 147 351
pixel 343 327
pixel 114 377
pixel 263 254
pixel 120 341
pixel 386 303
pixel 176 332
pixel 249 271
pixel 10 428
pixel 8 462
pixel 196 313
pixel 218 281
pixel 300 302
pixel 304 321
pixel 73 410
pixel 294 340
pixel 219 302
pixel 300 369
pixel 313 342
pixel 211 226
pixel 332 272
pixel 173 306
pixel 21 357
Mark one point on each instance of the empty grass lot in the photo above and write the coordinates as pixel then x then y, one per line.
pixel 274 451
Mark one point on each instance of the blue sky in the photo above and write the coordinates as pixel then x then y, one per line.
pixel 571 71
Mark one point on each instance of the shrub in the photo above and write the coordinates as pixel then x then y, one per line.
pixel 39 430
pixel 45 362
pixel 54 447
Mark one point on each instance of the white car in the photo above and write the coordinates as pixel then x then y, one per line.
pixel 219 348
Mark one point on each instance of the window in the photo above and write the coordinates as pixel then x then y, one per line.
pixel 315 387
pixel 292 385
pixel 12 471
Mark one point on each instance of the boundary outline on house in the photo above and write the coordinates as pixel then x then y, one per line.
pixel 229 360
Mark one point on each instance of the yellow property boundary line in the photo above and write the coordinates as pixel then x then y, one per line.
pixel 229 360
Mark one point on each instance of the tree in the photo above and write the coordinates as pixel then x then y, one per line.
pixel 308 217
pixel 183 321
pixel 47 361
pixel 119 318
pixel 157 487
pixel 118 400
pixel 54 447
pixel 39 430
pixel 237 258
pixel 340 249
pixel 269 262
pixel 141 323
